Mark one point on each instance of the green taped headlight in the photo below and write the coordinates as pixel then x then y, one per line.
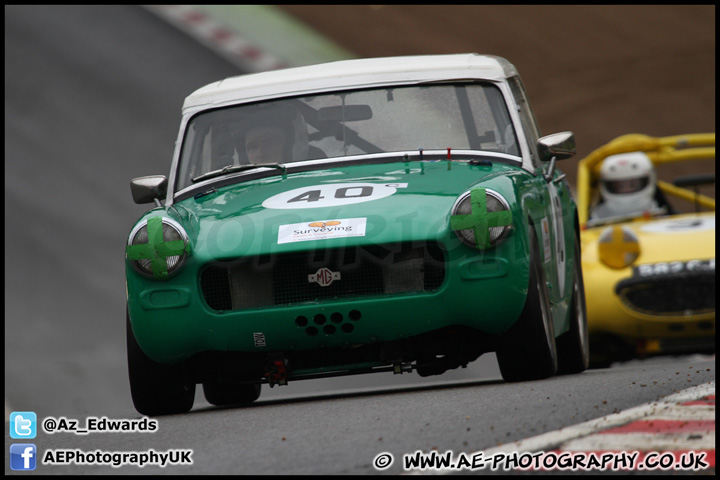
pixel 481 218
pixel 157 247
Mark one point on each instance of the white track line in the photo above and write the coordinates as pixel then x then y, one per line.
pixel 652 410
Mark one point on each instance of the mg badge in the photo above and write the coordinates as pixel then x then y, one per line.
pixel 324 277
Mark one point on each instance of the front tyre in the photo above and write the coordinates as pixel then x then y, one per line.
pixel 156 389
pixel 527 351
pixel 573 345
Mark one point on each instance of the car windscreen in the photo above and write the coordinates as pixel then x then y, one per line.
pixel 468 116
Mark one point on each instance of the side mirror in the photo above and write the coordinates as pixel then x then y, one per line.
pixel 147 189
pixel 558 145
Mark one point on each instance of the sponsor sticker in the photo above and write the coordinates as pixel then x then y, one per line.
pixel 259 339
pixel 321 230
pixel 547 247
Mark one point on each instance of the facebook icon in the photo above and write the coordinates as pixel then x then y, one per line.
pixel 22 456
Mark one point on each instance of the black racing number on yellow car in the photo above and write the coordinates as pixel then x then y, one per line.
pixel 343 192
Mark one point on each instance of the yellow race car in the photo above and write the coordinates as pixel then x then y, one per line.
pixel 649 274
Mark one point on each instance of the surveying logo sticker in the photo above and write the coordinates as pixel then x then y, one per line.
pixel 322 229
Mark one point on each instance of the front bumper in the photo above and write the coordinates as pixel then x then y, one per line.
pixel 173 321
pixel 655 314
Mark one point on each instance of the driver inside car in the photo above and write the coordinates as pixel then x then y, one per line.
pixel 274 134
pixel 627 186
pixel 265 144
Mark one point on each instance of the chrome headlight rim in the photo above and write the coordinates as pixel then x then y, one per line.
pixel 177 266
pixel 618 247
pixel 506 229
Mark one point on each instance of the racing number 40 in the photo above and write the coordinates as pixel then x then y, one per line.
pixel 343 192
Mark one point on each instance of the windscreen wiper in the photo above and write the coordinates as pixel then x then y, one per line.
pixel 237 168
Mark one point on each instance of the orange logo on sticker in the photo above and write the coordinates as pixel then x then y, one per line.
pixel 324 224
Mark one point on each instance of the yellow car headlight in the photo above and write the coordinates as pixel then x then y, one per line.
pixel 618 247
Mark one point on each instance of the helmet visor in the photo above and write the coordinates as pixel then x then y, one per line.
pixel 629 185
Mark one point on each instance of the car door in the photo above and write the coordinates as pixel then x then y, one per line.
pixel 557 189
pixel 554 195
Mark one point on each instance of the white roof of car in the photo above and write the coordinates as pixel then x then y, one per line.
pixel 357 73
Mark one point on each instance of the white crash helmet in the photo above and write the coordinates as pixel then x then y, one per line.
pixel 627 183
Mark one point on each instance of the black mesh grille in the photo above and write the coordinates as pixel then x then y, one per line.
pixel 691 296
pixel 216 288
pixel 323 274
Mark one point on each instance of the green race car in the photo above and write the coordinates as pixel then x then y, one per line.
pixel 371 215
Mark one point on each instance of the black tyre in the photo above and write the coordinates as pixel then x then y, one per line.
pixel 156 389
pixel 573 346
pixel 527 351
pixel 608 349
pixel 221 394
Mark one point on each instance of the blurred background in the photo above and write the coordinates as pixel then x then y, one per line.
pixel 93 97
pixel 600 71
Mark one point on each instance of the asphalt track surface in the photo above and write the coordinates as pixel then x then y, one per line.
pixel 93 96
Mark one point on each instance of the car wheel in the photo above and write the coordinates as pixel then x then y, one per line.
pixel 156 389
pixel 220 394
pixel 608 349
pixel 573 345
pixel 528 351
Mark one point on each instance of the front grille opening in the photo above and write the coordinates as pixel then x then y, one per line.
pixel 317 275
pixel 339 323
pixel 691 296
pixel 216 288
